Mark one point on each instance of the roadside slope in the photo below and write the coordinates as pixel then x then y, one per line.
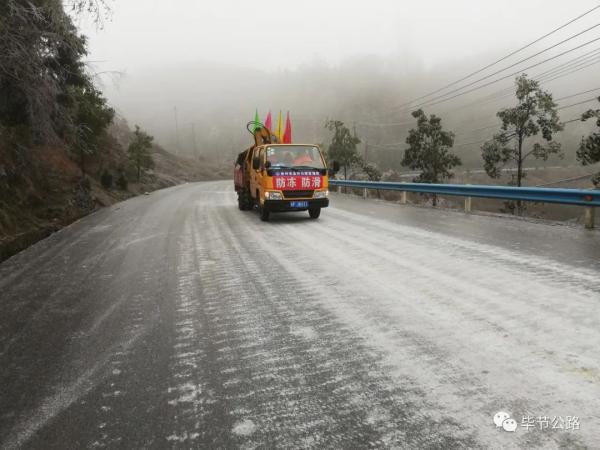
pixel 43 189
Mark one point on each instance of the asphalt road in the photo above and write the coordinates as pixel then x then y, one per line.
pixel 175 320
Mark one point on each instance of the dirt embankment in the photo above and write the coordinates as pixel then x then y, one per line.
pixel 43 189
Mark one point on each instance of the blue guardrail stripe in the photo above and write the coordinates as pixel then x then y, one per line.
pixel 582 197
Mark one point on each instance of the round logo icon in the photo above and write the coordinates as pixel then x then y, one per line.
pixel 500 417
pixel 509 425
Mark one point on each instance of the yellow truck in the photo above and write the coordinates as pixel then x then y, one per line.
pixel 274 177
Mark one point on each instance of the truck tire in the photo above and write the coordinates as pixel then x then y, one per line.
pixel 264 213
pixel 244 201
pixel 314 213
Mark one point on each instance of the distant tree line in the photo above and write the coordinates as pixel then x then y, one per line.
pixel 429 145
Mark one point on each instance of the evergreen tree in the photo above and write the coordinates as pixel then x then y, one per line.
pixel 429 150
pixel 534 113
pixel 343 146
pixel 589 149
pixel 90 116
pixel 139 151
pixel 45 92
pixel 372 171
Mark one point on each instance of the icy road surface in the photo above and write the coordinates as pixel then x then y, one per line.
pixel 177 321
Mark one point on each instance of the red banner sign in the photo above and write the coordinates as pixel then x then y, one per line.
pixel 297 182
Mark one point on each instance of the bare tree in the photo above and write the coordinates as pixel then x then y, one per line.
pixel 98 10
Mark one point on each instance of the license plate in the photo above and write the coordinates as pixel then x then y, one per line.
pixel 299 204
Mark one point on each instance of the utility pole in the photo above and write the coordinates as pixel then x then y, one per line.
pixel 176 132
pixel 193 125
pixel 366 151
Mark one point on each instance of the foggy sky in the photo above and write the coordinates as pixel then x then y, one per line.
pixel 272 34
pixel 216 61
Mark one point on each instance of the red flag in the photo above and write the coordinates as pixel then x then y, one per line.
pixel 268 121
pixel 287 135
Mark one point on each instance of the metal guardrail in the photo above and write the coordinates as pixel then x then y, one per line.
pixel 580 197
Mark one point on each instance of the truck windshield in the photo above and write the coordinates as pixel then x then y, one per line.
pixel 295 156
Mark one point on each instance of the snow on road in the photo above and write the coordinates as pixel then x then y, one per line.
pixel 349 331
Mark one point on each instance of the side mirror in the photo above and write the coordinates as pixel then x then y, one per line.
pixel 335 166
pixel 256 163
pixel 267 164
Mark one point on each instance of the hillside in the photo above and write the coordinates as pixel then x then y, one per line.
pixel 43 188
pixel 63 150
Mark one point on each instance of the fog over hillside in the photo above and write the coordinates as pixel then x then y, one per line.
pixel 195 84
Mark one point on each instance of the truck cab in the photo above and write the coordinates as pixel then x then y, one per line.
pixel 282 177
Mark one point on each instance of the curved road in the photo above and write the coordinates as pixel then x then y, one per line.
pixel 176 321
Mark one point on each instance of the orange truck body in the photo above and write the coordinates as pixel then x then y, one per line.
pixel 275 177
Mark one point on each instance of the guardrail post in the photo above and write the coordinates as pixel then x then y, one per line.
pixel 403 198
pixel 589 199
pixel 589 217
pixel 468 202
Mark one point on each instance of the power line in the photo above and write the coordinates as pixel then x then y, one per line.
pixel 558 99
pixel 471 143
pixel 556 72
pixel 506 76
pixel 466 144
pixel 386 147
pixel 508 92
pixel 564 180
pixel 511 66
pixel 460 133
pixel 577 119
pixel 569 68
pixel 466 132
pixel 559 71
pixel 395 144
pixel 568 64
pixel 499 125
pixel 579 93
pixel 578 103
pixel 382 125
pixel 503 58
pixel 572 71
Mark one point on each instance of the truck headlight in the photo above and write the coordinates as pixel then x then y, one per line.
pixel 270 195
pixel 321 194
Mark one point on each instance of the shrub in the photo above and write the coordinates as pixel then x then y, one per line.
pixel 122 182
pixel 106 179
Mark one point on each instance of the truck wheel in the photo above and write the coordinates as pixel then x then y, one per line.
pixel 264 213
pixel 314 213
pixel 244 202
